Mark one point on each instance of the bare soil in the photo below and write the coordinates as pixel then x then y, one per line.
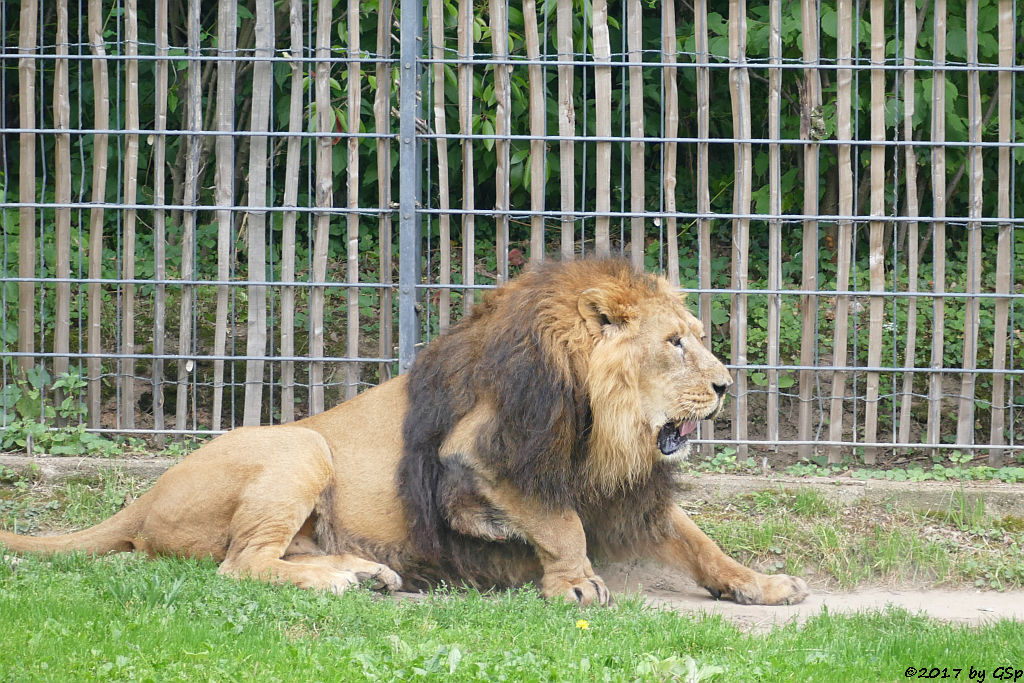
pixel 666 589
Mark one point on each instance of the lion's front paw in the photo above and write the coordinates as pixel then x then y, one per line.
pixel 783 589
pixel 584 591
pixel 764 589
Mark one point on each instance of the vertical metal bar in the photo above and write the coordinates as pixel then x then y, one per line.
pixel 409 179
pixel 775 207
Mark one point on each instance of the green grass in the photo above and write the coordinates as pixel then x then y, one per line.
pixel 794 531
pixel 125 618
pixel 78 502
pixel 801 532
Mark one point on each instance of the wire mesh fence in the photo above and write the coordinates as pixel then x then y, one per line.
pixel 222 213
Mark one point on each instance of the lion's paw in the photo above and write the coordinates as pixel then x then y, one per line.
pixel 765 589
pixel 584 591
pixel 340 581
pixel 381 577
pixel 337 579
pixel 783 589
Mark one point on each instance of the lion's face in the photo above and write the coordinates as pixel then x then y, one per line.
pixel 680 381
pixel 649 360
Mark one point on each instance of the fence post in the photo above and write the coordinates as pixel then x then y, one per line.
pixel 409 180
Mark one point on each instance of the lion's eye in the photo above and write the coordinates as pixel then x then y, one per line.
pixel 676 341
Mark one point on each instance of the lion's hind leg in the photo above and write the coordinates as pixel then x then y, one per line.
pixel 689 548
pixel 269 554
pixel 353 569
pixel 269 527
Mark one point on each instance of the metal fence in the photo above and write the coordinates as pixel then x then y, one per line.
pixel 223 213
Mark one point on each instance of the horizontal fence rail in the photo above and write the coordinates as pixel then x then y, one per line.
pixel 216 214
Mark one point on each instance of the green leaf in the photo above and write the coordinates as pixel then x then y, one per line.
pixel 38 377
pixel 487 128
pixel 29 407
pixel 956 43
pixel 829 22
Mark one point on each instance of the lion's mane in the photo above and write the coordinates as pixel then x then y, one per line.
pixel 526 351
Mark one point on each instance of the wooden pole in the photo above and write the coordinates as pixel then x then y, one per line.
pixel 256 217
pixel 1004 250
pixel 876 255
pixel 844 132
pixel 224 191
pixel 566 126
pixel 810 104
pixel 603 107
pixel 101 120
pixel 739 82
pixel 324 174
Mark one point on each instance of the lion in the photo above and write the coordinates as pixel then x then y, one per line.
pixel 541 431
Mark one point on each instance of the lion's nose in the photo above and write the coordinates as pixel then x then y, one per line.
pixel 720 389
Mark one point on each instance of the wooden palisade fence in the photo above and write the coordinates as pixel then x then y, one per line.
pixel 199 203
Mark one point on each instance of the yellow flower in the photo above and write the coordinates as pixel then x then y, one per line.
pixel 583 624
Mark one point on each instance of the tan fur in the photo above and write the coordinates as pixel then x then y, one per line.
pixel 322 504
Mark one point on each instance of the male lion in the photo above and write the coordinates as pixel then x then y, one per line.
pixel 540 431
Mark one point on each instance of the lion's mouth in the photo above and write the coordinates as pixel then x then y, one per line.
pixel 674 435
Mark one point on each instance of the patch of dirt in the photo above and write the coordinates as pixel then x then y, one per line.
pixel 667 589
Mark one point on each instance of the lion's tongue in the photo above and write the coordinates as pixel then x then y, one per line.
pixel 687 428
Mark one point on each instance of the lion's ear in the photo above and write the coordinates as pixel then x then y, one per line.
pixel 599 310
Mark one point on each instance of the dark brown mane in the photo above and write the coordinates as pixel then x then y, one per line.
pixel 524 350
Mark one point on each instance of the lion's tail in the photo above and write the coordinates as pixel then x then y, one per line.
pixel 119 533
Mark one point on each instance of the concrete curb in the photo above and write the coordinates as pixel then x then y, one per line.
pixel 997 498
pixel 55 469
